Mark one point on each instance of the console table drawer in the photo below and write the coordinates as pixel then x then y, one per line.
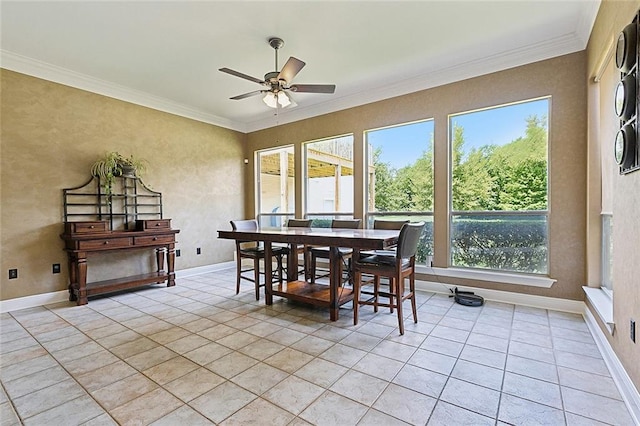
pixel 85 227
pixel 158 239
pixel 104 243
pixel 153 224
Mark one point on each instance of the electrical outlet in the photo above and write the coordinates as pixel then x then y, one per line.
pixel 55 268
pixel 632 330
pixel 198 251
pixel 13 274
pixel 177 252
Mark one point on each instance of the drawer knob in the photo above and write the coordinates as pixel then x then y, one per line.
pixel 157 224
pixel 106 242
pixel 155 238
pixel 91 227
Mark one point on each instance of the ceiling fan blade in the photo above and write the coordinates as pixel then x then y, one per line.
pixel 247 95
pixel 241 75
pixel 290 69
pixel 313 88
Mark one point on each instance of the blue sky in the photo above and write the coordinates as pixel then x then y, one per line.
pixel 401 145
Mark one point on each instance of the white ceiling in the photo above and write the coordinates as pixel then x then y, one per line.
pixel 166 55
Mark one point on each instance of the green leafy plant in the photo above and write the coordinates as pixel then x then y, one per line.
pixel 114 164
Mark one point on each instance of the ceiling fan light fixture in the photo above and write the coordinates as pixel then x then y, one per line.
pixel 272 99
pixel 283 99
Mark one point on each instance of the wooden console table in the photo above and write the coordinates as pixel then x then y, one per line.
pixel 94 237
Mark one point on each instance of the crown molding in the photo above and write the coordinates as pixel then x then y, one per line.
pixel 559 46
pixel 462 70
pixel 24 65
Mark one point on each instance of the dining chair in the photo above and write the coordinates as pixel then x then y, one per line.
pixel 255 251
pixel 299 248
pixel 391 225
pixel 397 267
pixel 315 253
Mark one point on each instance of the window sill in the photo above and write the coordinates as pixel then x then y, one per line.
pixel 602 304
pixel 492 276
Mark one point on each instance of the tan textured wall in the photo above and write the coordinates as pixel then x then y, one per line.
pixel 562 78
pixel 50 136
pixel 612 18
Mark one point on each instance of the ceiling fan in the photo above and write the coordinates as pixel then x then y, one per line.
pixel 278 83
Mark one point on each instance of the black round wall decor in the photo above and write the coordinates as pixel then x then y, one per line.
pixel 625 146
pixel 625 97
pixel 626 48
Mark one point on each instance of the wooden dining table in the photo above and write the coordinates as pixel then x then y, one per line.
pixel 330 296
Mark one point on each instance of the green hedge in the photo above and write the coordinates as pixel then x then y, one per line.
pixel 501 243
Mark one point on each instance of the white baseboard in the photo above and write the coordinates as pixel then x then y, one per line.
pixel 622 380
pixel 18 303
pixel 33 301
pixel 543 302
pixel 198 270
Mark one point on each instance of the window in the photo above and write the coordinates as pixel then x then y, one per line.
pixel 609 125
pixel 400 178
pixel 499 188
pixel 276 186
pixel 328 172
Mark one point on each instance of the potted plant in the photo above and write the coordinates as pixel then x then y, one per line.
pixel 114 164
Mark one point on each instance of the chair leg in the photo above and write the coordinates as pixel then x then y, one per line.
pixel 313 269
pixel 398 284
pixel 256 275
pixel 412 289
pixel 376 289
pixel 280 267
pixel 391 293
pixel 239 266
pixel 356 296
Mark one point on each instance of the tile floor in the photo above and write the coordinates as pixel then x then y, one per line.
pixel 197 354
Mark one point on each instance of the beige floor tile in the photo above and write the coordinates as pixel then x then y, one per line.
pixel 222 401
pixel 405 404
pixel 170 370
pixel 245 362
pixel 184 415
pixel 104 376
pixel 151 358
pixel 231 364
pixel 194 384
pixel 259 378
pixel 293 394
pixel 127 350
pixel 322 373
pixel 74 412
pixel 36 381
pixel 256 411
pixel 42 400
pixel 137 411
pixel 207 353
pixel 359 387
pixel 289 360
pixel 118 393
pixel 261 349
pixel 333 409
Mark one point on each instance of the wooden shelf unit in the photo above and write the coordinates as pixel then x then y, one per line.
pixel 128 218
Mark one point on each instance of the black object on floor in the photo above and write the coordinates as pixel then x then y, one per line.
pixel 467 298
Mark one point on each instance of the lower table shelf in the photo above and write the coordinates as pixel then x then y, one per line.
pixel 314 294
pixel 117 284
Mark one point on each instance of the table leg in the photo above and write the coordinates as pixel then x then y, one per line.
pixel 171 260
pixel 160 258
pixel 82 279
pixel 268 276
pixel 335 279
pixel 292 263
pixel 73 277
